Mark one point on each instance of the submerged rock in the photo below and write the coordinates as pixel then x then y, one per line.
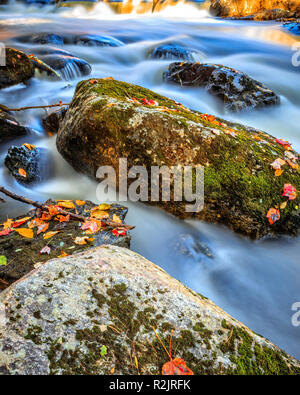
pixel 69 67
pixel 293 27
pixel 10 128
pixel 174 51
pixel 57 320
pixel 52 122
pixel 236 90
pixel 36 162
pixel 265 9
pixel 23 253
pixel 104 123
pixel 18 69
pixel 43 38
pixel 93 40
pixel 191 246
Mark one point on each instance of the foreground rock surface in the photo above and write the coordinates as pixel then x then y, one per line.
pixel 24 253
pixel 263 8
pixel 18 69
pixel 236 90
pixel 104 124
pixel 57 319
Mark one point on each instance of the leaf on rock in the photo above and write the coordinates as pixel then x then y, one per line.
pixel 22 173
pixel 99 214
pixel 103 206
pixel 3 260
pixel 82 240
pixel 80 202
pixel 116 219
pixel 7 224
pixel 66 204
pixel 25 232
pixel 91 226
pixel 20 222
pixel 45 250
pixel 42 227
pixel 103 351
pixel 50 234
pixel 29 146
pixel 63 255
pixel 289 191
pixel 176 367
pixel 5 232
pixel 278 172
pixel 278 163
pixel 119 232
pixel 273 215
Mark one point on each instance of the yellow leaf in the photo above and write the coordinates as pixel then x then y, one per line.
pixel 283 205
pixel 81 240
pixel 117 219
pixel 22 172
pixel 25 232
pixel 99 214
pixel 29 146
pixel 65 204
pixel 8 223
pixel 278 172
pixel 63 254
pixel 80 202
pixel 50 234
pixel 103 206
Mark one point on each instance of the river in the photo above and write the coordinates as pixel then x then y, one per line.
pixel 255 282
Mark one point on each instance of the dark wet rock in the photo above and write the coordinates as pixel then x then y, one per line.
pixel 173 52
pixel 236 90
pixel 293 27
pixel 42 67
pixel 191 246
pixel 10 128
pixel 102 125
pixel 37 163
pixel 52 122
pixel 18 69
pixel 23 254
pixel 93 40
pixel 258 10
pixel 68 66
pixel 57 319
pixel 43 38
pixel 49 50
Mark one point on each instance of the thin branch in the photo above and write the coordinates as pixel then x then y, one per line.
pixel 78 217
pixel 33 107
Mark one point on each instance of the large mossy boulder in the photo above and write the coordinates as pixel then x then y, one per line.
pixel 93 313
pixel 24 250
pixel 235 90
pixel 18 68
pixel 104 124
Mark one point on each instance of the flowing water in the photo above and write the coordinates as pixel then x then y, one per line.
pixel 256 282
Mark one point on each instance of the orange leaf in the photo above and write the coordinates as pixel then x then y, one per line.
pixel 53 210
pixel 63 254
pixel 8 223
pixel 29 146
pixel 20 222
pixel 22 172
pixel 278 172
pixel 50 234
pixel 82 240
pixel 176 367
pixel 80 202
pixel 25 232
pixel 95 213
pixel 273 215
pixel 64 218
pixel 5 232
pixel 42 228
pixel 293 165
pixel 65 204
pixel 117 219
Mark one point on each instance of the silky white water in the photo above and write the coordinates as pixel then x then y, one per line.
pixel 256 282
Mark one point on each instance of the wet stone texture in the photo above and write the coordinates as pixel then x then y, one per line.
pixel 57 319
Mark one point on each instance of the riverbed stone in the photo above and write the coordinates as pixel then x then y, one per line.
pixel 23 253
pixel 93 313
pixel 94 40
pixel 236 90
pixel 18 68
pixel 44 38
pixel 174 52
pixel 104 123
pixel 52 122
pixel 69 67
pixel 293 27
pixel 37 163
pixel 10 127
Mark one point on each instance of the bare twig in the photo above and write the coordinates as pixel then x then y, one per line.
pixel 33 107
pixel 78 217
